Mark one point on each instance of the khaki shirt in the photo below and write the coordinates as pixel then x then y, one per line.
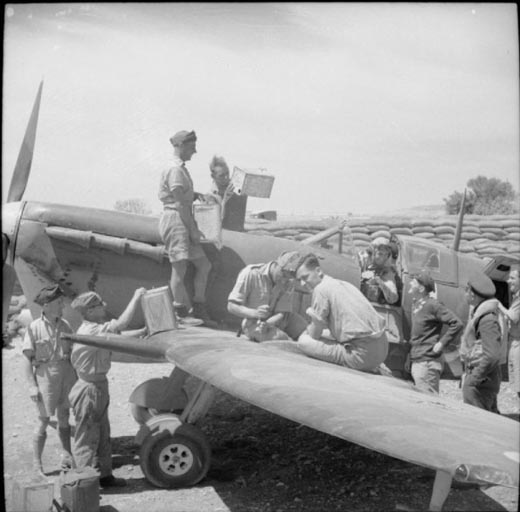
pixel 345 310
pixel 176 176
pixel 254 288
pixel 43 340
pixel 91 363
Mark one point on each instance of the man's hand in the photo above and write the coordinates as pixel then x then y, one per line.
pixel 437 348
pixel 367 274
pixel 263 312
pixel 139 292
pixel 197 196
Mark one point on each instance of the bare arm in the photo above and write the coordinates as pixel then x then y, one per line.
pixel 126 316
pixel 28 372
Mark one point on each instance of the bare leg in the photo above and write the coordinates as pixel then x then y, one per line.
pixel 64 430
pixel 40 435
pixel 200 281
pixel 180 295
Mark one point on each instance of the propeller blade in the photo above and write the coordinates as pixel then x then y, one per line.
pixel 25 156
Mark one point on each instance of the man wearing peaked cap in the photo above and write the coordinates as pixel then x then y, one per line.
pixel 90 397
pixel 49 373
pixel 181 235
pixel 263 297
pixel 482 345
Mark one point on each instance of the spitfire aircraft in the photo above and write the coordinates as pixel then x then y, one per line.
pixel 114 253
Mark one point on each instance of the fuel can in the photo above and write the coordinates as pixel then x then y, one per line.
pixel 252 182
pixel 32 495
pixel 159 314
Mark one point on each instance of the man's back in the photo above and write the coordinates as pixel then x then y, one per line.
pixel 348 312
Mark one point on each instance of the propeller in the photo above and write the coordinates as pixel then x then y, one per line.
pixel 11 212
pixel 25 155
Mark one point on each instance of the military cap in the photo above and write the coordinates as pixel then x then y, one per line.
pixel 87 300
pixel 289 261
pixel 181 137
pixel 482 285
pixel 423 277
pixel 48 294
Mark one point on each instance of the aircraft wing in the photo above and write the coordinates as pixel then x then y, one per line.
pixel 380 413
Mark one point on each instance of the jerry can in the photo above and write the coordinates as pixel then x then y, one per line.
pixel 33 495
pixel 79 489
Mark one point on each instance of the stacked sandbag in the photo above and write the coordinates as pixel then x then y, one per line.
pixel 481 235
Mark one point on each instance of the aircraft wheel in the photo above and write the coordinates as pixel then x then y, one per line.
pixel 178 459
pixel 142 414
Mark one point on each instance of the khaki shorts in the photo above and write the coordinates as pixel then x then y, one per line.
pixel 55 380
pixel 181 242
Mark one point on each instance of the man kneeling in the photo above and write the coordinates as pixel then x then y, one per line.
pixel 358 331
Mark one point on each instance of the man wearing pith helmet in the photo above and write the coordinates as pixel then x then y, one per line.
pixel 481 345
pixel 180 233
pixel 49 373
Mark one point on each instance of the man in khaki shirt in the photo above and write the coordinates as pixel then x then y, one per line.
pixel 48 372
pixel 90 396
pixel 263 297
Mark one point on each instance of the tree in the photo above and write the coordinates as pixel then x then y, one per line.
pixel 135 205
pixel 485 196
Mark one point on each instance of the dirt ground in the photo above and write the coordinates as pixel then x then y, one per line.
pixel 261 462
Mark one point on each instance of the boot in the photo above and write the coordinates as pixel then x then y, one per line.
pixel 38 444
pixel 200 311
pixel 66 457
pixel 184 317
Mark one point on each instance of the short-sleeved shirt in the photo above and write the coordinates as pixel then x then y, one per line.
pixel 176 176
pixel 92 363
pixel 345 310
pixel 254 288
pixel 177 226
pixel 43 339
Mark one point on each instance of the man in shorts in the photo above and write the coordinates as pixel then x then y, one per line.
pixel 49 373
pixel 180 233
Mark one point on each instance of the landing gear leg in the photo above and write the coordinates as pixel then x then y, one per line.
pixel 441 489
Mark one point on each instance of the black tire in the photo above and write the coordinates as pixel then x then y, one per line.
pixel 181 459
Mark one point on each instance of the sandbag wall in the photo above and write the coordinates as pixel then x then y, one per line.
pixel 481 235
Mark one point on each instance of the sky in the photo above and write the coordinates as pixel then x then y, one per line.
pixel 359 108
